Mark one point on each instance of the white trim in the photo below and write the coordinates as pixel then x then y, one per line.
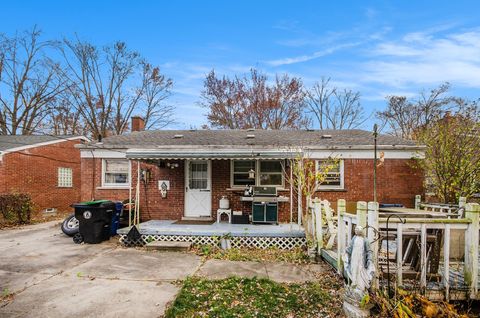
pixel 114 185
pixel 41 144
pixel 104 154
pixel 362 154
pixel 321 187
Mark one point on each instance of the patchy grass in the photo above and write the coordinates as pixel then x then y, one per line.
pixel 253 297
pixel 295 256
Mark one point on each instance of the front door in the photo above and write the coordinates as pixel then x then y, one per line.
pixel 198 195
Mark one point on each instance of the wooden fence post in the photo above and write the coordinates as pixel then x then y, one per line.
pixel 372 237
pixel 418 199
pixel 362 214
pixel 462 201
pixel 317 210
pixel 341 244
pixel 470 272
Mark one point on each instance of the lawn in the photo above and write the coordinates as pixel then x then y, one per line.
pixel 253 297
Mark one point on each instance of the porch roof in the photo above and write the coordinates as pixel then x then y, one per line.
pixel 219 154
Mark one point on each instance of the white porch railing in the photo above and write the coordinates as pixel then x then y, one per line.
pixel 367 215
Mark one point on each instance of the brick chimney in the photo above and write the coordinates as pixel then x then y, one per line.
pixel 138 124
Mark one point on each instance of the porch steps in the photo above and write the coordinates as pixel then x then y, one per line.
pixel 168 246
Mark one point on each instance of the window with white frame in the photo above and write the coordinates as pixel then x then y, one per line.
pixel 240 172
pixel 334 173
pixel 115 172
pixel 65 177
pixel 270 173
pixel 266 172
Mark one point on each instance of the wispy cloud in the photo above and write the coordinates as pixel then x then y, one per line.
pixel 426 58
pixel 309 57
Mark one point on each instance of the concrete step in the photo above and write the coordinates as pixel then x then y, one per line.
pixel 168 246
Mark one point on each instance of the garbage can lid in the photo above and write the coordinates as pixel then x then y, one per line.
pixel 96 202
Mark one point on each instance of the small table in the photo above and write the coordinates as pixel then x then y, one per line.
pixel 228 212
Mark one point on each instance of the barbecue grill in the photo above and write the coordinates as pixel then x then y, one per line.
pixel 265 205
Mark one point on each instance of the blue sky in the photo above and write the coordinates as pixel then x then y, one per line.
pixel 376 47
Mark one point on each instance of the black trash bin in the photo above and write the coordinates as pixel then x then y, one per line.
pixel 95 220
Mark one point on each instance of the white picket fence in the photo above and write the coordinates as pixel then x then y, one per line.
pixel 367 215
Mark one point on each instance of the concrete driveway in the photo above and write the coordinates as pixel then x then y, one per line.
pixel 50 276
pixel 53 277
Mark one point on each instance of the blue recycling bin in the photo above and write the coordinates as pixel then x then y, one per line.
pixel 116 218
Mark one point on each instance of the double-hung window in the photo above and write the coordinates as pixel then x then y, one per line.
pixel 270 173
pixel 115 173
pixel 266 173
pixel 334 174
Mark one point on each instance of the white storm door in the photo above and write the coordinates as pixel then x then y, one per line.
pixel 198 194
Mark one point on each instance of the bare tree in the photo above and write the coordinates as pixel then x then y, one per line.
pixel 334 108
pixel 63 119
pixel 251 102
pixel 156 90
pixel 403 117
pixel 97 80
pixel 29 82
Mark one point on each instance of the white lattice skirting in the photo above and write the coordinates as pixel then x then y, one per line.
pixel 262 242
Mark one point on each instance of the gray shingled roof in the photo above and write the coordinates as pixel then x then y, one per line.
pixel 239 138
pixel 8 142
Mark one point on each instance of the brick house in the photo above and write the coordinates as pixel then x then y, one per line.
pixel 45 167
pixel 198 167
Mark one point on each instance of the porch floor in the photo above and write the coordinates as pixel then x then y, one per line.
pixel 167 227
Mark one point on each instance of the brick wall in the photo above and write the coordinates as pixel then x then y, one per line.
pixel 397 182
pixel 35 171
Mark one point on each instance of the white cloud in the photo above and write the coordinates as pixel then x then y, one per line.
pixel 425 58
pixel 309 57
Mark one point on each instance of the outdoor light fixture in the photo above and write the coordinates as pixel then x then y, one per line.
pixel 251 174
pixel 172 165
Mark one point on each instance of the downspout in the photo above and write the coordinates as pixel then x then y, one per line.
pixel 291 192
pixel 130 195
pixel 94 168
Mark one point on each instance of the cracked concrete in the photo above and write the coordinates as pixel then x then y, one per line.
pixel 53 277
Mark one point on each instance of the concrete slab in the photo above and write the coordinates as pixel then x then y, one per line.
pixel 13 282
pixel 43 250
pixel 66 296
pixel 218 269
pixel 134 264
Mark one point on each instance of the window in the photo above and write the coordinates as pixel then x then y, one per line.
pixel 115 172
pixel 267 172
pixel 271 173
pixel 334 177
pixel 65 177
pixel 198 177
pixel 240 172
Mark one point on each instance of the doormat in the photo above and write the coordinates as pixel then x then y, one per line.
pixel 194 222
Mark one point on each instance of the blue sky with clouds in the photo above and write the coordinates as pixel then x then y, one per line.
pixel 376 47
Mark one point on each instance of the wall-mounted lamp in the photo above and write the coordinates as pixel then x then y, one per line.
pixel 172 165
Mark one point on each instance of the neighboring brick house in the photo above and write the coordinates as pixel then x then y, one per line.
pixel 201 166
pixel 45 167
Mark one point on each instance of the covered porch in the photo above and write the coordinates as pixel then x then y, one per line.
pixel 189 184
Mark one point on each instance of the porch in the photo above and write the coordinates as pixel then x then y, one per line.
pixel 282 236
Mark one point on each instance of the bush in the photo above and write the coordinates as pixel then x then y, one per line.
pixel 16 208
